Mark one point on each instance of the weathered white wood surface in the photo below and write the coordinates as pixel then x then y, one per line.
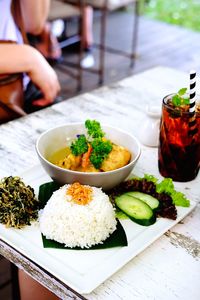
pixel 170 267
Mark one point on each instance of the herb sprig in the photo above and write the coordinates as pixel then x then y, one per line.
pixel 80 145
pixel 101 149
pixel 95 137
pixel 180 98
pixel 94 129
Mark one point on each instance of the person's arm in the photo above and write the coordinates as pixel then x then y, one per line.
pixel 24 58
pixel 35 13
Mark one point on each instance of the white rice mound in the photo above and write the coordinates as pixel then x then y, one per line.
pixel 77 225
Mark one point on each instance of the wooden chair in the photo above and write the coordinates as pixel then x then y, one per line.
pixel 106 6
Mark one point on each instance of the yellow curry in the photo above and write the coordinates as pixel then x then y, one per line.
pixel 91 152
pixel 117 158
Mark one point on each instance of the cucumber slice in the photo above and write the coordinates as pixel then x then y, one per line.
pixel 148 199
pixel 137 210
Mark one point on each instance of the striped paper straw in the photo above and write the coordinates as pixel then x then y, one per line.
pixel 192 121
pixel 192 91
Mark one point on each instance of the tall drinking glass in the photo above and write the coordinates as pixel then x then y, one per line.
pixel 179 146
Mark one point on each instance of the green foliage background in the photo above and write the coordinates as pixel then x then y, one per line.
pixel 185 13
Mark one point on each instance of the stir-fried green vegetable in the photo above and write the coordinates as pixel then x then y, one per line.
pixel 18 204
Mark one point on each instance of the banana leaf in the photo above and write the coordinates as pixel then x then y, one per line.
pixel 45 192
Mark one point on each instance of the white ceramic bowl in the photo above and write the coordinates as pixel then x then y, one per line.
pixel 56 138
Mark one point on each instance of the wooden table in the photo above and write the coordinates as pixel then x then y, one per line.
pixel 170 267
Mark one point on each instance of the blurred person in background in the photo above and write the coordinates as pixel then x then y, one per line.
pixel 41 85
pixel 47 42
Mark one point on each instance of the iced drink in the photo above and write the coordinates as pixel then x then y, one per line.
pixel 179 144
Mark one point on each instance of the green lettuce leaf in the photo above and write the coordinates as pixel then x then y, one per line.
pixel 167 186
pixel 151 178
pixel 179 199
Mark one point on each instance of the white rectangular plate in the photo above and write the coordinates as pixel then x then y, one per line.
pixel 83 270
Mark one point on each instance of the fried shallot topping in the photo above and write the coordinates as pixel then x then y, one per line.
pixel 80 194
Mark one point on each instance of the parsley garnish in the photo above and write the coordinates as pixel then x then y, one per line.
pixel 180 98
pixel 94 129
pixel 100 150
pixel 80 145
pixel 100 147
